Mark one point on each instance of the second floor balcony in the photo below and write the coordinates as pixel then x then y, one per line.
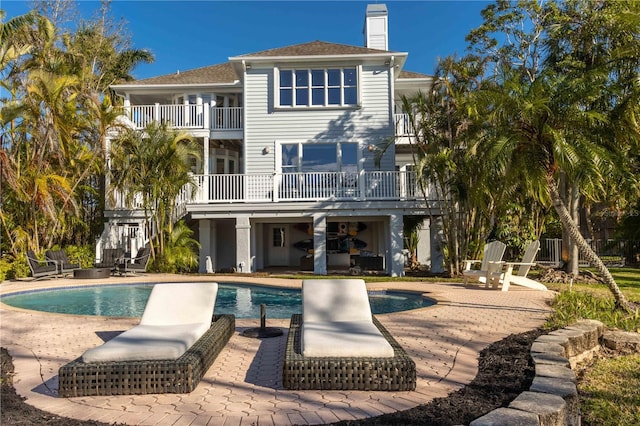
pixel 297 187
pixel 212 118
pixel 187 116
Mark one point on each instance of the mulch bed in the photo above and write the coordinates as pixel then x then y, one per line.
pixel 505 370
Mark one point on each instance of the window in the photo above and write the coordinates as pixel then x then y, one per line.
pixel 319 157
pixel 318 87
pixel 278 237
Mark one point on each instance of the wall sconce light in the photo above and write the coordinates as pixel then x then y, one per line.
pixel 248 66
pixel 266 150
pixel 221 145
pixel 371 147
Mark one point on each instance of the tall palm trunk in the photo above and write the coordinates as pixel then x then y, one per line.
pixel 583 246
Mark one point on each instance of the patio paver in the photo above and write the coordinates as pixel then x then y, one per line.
pixel 244 385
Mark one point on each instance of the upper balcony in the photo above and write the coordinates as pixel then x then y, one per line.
pixel 363 186
pixel 215 119
pixel 188 117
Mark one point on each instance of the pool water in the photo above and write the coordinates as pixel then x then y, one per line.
pixel 241 300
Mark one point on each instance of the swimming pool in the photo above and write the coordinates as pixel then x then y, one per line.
pixel 242 300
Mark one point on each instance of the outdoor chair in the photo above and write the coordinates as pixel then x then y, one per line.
pixel 110 258
pixel 169 351
pixel 62 262
pixel 137 264
pixel 491 262
pixel 40 269
pixel 507 277
pixel 337 343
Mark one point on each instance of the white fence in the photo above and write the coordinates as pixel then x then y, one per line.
pixel 612 252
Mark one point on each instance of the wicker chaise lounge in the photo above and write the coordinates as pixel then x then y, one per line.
pixel 168 352
pixel 337 344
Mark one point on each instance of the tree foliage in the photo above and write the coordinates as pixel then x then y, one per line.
pixel 54 120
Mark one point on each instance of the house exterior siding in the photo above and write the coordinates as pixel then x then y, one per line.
pixel 368 124
pixel 252 214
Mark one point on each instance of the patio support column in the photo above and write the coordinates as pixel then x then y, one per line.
pixel 437 238
pixel 243 244
pixel 206 234
pixel 395 258
pixel 320 244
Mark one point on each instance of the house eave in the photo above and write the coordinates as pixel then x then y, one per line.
pixel 173 86
pixel 318 58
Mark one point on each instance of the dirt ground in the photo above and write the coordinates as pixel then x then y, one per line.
pixel 505 370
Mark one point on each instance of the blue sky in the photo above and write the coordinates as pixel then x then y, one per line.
pixel 190 34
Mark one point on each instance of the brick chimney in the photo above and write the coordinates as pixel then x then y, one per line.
pixel 376 27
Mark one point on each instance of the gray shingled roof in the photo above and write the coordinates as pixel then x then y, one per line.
pixel 314 48
pixel 224 73
pixel 411 74
pixel 220 73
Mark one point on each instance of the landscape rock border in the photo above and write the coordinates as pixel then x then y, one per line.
pixel 552 399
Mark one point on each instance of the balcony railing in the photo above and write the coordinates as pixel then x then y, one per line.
pixel 403 125
pixel 189 116
pixel 186 116
pixel 316 186
pixel 294 187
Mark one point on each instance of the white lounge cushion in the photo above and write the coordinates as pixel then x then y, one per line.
pixel 344 339
pixel 180 303
pixel 144 342
pixel 175 317
pixel 334 300
pixel 337 321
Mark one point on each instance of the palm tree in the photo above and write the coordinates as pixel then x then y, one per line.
pixel 154 165
pixel 572 113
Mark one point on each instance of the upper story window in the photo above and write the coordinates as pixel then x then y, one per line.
pixel 317 87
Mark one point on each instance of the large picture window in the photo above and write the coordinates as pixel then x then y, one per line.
pixel 317 87
pixel 320 157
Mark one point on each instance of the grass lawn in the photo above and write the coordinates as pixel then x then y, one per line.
pixel 609 389
pixel 628 279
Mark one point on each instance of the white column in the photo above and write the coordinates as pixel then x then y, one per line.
pixel 187 117
pixel 243 244
pixel 437 239
pixel 395 258
pixel 204 237
pixel 252 248
pixel 424 242
pixel 320 244
pixel 205 170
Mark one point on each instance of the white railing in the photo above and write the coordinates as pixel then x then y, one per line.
pixel 226 118
pixel 316 186
pixel 190 116
pixel 186 116
pixel 403 125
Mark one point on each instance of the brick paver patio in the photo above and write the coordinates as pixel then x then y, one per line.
pixel 244 384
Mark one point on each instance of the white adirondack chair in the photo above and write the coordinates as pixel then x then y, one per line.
pixel 520 278
pixel 491 262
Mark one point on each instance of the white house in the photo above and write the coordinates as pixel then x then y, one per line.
pixel 289 140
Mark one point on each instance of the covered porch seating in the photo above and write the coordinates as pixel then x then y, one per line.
pixel 169 351
pixel 337 343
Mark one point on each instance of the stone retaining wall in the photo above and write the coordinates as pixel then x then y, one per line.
pixel 552 399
